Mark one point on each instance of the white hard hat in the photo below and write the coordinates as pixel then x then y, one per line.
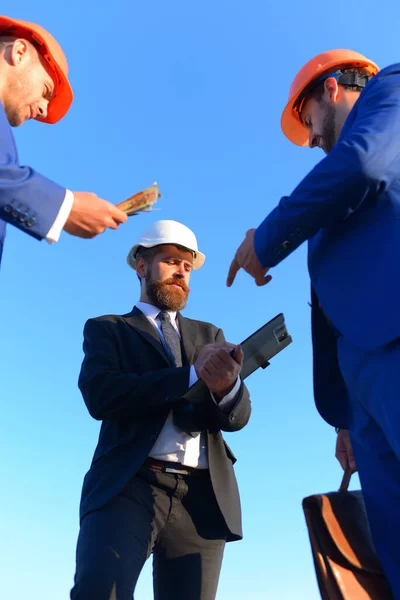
pixel 167 232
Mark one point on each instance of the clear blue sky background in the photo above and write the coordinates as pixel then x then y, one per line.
pixel 188 94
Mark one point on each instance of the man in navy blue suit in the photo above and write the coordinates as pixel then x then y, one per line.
pixel 34 85
pixel 348 208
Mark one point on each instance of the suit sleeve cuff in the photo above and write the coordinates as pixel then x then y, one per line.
pixel 63 214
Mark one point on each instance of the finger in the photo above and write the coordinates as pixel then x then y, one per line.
pixel 223 366
pixel 238 356
pixel 211 374
pixel 117 214
pixel 342 458
pixel 216 364
pixel 352 464
pixel 225 356
pixel 262 279
pixel 350 458
pixel 233 269
pixel 111 224
pixel 225 345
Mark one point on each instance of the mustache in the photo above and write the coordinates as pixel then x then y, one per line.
pixel 176 281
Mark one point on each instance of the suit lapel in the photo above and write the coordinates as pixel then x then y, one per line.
pixel 142 325
pixel 188 329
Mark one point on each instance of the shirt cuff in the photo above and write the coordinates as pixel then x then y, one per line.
pixel 193 376
pixel 228 400
pixel 63 214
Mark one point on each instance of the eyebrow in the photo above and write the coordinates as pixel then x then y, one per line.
pixel 172 257
pixel 51 88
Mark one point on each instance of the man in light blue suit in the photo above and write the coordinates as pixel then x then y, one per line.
pixel 348 208
pixel 34 85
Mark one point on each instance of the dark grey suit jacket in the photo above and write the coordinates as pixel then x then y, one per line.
pixel 128 383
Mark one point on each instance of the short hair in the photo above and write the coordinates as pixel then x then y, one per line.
pixel 6 39
pixel 353 79
pixel 147 254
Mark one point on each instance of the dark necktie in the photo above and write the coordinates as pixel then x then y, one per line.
pixel 184 415
pixel 171 338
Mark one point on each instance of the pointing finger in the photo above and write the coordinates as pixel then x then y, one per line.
pixel 233 269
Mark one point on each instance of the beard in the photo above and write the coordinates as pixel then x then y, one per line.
pixel 328 134
pixel 165 296
pixel 13 114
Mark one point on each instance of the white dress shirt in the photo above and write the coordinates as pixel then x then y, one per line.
pixel 61 218
pixel 173 444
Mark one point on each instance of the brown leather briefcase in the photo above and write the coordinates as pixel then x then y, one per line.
pixel 345 561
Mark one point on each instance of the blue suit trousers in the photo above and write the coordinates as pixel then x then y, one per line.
pixel 373 383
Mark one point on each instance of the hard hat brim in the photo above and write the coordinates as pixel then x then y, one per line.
pixel 131 260
pixel 60 104
pixel 291 126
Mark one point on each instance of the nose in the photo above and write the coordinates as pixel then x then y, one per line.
pixel 42 109
pixel 313 140
pixel 180 271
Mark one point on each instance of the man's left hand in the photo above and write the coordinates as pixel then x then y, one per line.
pixel 246 258
pixel 344 451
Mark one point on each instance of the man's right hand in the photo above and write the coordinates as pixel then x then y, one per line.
pixel 90 215
pixel 344 451
pixel 217 368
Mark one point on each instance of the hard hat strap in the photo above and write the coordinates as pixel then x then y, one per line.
pixel 347 78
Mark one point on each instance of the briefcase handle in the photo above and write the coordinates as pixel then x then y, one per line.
pixel 344 486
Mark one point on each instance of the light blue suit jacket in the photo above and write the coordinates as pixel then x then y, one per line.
pixel 27 199
pixel 348 207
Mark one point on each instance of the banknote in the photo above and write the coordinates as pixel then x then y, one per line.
pixel 142 201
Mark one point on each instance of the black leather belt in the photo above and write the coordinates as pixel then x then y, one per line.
pixel 175 468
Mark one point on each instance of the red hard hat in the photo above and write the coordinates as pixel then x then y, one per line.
pixel 51 51
pixel 325 62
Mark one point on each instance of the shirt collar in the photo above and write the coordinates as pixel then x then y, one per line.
pixel 151 312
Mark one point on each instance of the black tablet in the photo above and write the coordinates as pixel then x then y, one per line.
pixel 263 344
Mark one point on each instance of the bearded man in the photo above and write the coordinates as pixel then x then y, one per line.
pixel 162 478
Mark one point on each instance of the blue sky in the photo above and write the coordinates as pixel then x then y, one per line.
pixel 188 94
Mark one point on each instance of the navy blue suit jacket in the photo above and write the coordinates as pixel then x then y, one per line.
pixel 27 199
pixel 348 207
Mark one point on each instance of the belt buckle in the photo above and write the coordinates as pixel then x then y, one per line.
pixel 177 471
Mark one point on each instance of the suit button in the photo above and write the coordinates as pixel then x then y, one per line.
pixel 30 222
pixel 286 244
pixel 153 438
pixel 232 417
pixel 14 214
pixel 7 208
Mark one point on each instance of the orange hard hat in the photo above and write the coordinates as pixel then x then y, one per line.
pixel 52 53
pixel 324 63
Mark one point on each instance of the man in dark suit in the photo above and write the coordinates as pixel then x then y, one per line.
pixel 162 478
pixel 34 85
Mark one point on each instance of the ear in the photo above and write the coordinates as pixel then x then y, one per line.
pixel 140 267
pixel 331 90
pixel 20 52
